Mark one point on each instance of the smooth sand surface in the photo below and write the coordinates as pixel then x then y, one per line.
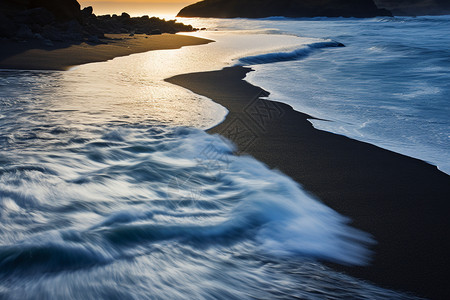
pixel 34 55
pixel 403 202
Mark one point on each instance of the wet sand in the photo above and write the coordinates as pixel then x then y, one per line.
pixel 403 202
pixel 34 55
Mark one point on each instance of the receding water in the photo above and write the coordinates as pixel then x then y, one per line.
pixel 110 189
pixel 390 85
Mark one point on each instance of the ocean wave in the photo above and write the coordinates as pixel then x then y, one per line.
pixel 281 18
pixel 49 253
pixel 287 56
pixel 102 204
pixel 177 185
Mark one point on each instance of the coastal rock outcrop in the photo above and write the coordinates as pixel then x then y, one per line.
pixel 64 21
pixel 98 25
pixel 286 8
pixel 62 10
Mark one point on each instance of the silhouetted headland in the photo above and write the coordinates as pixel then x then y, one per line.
pixel 286 8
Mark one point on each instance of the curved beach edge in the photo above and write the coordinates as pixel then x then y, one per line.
pixel 401 201
pixel 32 55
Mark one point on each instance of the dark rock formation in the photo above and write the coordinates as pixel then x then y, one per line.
pixel 63 21
pixel 97 25
pixel 287 8
pixel 62 10
pixel 415 7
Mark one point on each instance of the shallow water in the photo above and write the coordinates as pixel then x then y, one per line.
pixel 110 189
pixel 390 85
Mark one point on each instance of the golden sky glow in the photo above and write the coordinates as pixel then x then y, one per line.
pixel 142 1
pixel 160 8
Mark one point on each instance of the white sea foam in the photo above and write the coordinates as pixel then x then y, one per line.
pixel 296 54
pixel 350 86
pixel 97 187
pixel 236 197
pixel 353 86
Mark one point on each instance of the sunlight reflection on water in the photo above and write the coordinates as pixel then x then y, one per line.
pixel 100 199
pixel 133 86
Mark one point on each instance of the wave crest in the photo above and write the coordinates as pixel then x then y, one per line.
pixel 287 56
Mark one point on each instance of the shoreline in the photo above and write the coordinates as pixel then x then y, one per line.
pixel 34 55
pixel 401 201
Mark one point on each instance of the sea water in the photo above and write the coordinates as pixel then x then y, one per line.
pixel 390 85
pixel 110 188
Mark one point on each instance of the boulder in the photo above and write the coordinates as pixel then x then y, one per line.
pixel 63 10
pixel 87 12
pixel 125 15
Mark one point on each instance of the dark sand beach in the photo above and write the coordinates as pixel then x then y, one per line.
pixel 403 202
pixel 34 55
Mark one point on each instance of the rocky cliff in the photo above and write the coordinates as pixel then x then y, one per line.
pixel 287 8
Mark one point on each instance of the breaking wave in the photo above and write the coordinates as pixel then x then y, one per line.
pixel 145 186
pixel 296 54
